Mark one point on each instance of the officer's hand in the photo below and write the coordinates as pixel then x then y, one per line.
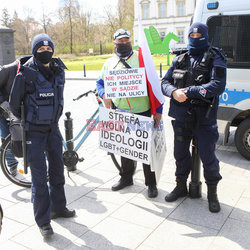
pixel 179 95
pixel 107 102
pixel 157 119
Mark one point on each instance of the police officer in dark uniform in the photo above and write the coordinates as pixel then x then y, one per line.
pixel 194 82
pixel 39 86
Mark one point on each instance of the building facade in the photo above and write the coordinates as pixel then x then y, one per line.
pixel 166 16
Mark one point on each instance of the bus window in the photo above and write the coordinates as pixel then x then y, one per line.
pixel 231 33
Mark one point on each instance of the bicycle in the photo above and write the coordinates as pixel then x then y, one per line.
pixel 70 155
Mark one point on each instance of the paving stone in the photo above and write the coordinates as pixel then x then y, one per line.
pixel 6 204
pixel 3 180
pixel 196 211
pixel 173 234
pixel 246 193
pixel 64 233
pixel 10 245
pixel 10 228
pixel 21 212
pixel 77 246
pixel 137 209
pixel 15 193
pixel 242 210
pixel 234 235
pixel 228 192
pixel 114 234
pixel 104 193
pixel 90 211
pixel 218 247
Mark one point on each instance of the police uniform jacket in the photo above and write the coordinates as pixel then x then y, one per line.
pixel 208 91
pixel 40 89
pixel 7 76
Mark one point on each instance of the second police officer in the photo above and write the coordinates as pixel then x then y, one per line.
pixel 194 82
pixel 39 85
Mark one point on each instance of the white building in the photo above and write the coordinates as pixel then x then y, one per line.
pixel 166 16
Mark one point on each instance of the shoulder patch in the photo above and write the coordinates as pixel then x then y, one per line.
pixel 203 92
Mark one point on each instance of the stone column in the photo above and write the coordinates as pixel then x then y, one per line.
pixel 7 51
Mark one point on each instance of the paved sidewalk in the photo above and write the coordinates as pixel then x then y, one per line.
pixel 128 219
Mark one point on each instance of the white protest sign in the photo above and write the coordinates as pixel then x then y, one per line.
pixel 125 134
pixel 123 83
pixel 158 151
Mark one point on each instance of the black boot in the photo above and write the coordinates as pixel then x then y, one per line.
pixel 122 183
pixel 213 202
pixel 46 230
pixel 66 213
pixel 152 191
pixel 179 191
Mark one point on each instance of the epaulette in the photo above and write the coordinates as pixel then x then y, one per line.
pixel 178 52
pixel 59 63
pixel 24 59
pixel 219 52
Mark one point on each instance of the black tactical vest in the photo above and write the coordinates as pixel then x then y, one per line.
pixel 184 75
pixel 44 104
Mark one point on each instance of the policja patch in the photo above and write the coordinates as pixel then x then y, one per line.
pixel 203 92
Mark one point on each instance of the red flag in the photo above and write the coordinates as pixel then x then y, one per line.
pixel 156 97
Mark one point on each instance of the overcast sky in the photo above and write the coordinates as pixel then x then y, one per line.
pixel 35 6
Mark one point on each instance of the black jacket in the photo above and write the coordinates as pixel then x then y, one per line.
pixel 7 76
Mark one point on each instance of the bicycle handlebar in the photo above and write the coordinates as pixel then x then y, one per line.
pixel 86 94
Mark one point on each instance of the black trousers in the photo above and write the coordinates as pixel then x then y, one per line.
pixel 128 166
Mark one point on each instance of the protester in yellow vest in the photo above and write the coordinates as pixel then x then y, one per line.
pixel 124 58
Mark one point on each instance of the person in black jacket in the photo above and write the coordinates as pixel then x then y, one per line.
pixel 39 86
pixel 7 76
pixel 194 82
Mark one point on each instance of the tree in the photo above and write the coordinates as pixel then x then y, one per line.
pixel 125 14
pixel 68 12
pixel 5 20
pixel 45 20
pixel 25 30
pixel 122 18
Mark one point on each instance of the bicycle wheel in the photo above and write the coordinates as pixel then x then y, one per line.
pixel 20 179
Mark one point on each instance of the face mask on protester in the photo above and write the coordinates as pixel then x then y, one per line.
pixel 124 48
pixel 44 57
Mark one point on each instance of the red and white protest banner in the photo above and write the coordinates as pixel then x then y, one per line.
pixel 124 83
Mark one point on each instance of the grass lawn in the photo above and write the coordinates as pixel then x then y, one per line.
pixel 95 62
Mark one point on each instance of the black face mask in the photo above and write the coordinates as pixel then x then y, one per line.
pixel 124 48
pixel 44 57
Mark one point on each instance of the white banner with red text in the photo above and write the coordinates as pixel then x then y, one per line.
pixel 124 83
